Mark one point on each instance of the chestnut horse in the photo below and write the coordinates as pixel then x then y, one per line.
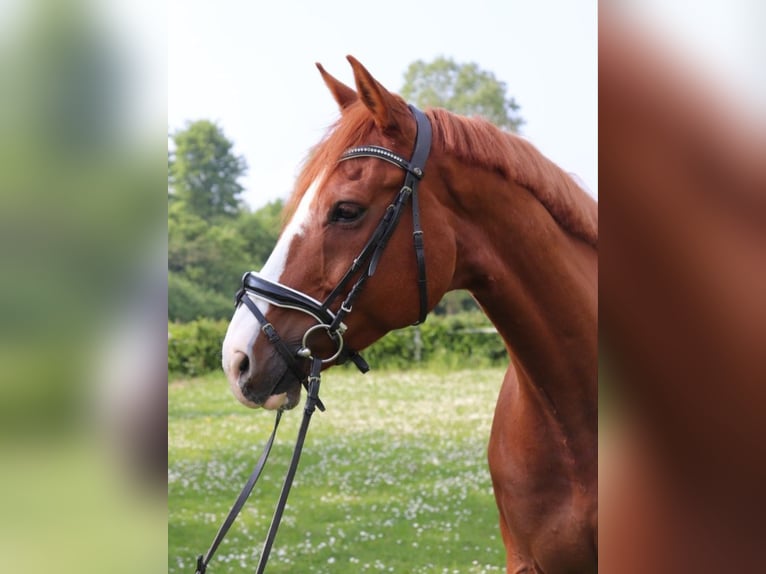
pixel 498 219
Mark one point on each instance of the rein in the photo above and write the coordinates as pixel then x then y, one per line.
pixel 312 402
pixel 259 287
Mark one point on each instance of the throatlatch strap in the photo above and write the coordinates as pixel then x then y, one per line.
pixel 419 157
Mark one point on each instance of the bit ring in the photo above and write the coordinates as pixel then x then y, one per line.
pixel 306 352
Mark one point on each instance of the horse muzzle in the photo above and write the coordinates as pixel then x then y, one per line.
pixel 271 387
pixel 254 371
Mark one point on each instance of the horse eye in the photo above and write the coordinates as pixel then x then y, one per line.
pixel 345 212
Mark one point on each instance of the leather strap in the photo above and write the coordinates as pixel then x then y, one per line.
pixel 203 561
pixel 419 157
pixel 283 296
pixel 376 151
pixel 312 402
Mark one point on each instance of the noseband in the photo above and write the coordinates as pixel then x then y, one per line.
pixel 259 287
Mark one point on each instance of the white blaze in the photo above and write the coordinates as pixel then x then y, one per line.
pixel 244 328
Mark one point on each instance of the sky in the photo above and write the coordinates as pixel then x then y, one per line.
pixel 249 66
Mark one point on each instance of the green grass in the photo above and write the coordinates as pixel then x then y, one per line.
pixel 393 476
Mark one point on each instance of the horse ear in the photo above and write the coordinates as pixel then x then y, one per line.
pixel 344 95
pixel 377 99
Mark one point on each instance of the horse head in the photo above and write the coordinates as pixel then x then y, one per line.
pixel 351 216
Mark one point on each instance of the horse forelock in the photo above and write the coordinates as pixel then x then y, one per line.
pixel 353 128
pixel 479 142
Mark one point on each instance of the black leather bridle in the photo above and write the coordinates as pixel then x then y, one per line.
pixel 362 268
pixel 254 285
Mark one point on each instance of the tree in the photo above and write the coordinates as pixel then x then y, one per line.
pixel 206 260
pixel 187 301
pixel 464 89
pixel 259 230
pixel 208 255
pixel 203 171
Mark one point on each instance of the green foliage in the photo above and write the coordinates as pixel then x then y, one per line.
pixel 210 257
pixel 259 231
pixel 445 342
pixel 195 348
pixel 188 302
pixel 203 171
pixel 464 89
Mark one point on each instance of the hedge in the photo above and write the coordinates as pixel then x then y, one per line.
pixel 453 341
pixel 194 348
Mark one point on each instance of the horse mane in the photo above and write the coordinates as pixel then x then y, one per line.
pixel 474 141
pixel 477 141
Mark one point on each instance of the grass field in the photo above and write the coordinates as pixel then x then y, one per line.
pixel 393 476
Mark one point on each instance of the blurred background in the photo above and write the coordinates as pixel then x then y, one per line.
pixel 682 170
pixel 82 286
pixel 83 280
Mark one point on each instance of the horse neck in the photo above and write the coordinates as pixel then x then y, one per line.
pixel 537 283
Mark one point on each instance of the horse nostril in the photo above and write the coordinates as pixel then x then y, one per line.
pixel 244 365
pixel 237 367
